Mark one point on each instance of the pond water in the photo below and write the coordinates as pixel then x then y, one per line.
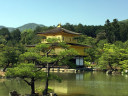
pixel 75 84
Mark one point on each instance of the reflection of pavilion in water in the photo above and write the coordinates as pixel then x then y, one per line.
pixel 69 85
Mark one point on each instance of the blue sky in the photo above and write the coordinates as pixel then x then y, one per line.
pixel 14 13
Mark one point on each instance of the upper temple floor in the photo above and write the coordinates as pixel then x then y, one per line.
pixel 60 33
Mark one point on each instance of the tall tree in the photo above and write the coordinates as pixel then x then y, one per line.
pixel 116 29
pixel 123 32
pixel 51 58
pixel 69 26
pixel 80 28
pixel 109 33
pixel 16 35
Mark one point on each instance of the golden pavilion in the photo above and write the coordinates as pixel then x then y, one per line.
pixel 66 36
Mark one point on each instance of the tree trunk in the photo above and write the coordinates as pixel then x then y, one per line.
pixel 110 66
pixel 45 92
pixel 32 86
pixel 6 67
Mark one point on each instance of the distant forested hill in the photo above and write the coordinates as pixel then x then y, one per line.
pixel 29 26
pixel 1 27
pixel 124 21
pixel 9 28
pixel 24 27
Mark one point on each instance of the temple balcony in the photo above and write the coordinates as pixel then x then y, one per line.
pixel 61 39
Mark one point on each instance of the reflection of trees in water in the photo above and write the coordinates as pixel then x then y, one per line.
pixel 13 84
pixel 4 84
pixel 71 84
pixel 93 84
pixel 4 90
pixel 66 76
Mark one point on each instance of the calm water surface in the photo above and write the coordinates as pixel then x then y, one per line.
pixel 80 84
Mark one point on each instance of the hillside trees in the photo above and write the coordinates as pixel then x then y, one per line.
pixel 123 32
pixel 29 37
pixel 10 39
pixel 5 34
pixel 69 26
pixel 43 29
pixel 116 31
pixel 89 30
pixel 109 34
pixel 79 28
pixel 15 37
pixel 114 56
pixel 2 40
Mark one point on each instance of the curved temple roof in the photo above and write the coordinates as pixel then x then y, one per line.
pixel 59 29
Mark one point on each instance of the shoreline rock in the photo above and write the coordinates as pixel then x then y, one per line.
pixel 2 74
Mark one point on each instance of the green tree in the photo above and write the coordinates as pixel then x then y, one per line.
pixel 80 28
pixel 116 29
pixel 124 65
pixel 27 70
pixel 110 57
pixel 123 32
pixel 100 36
pixel 9 57
pixel 43 29
pixel 109 33
pixel 43 54
pixel 51 58
pixel 29 37
pixel 15 37
pixel 68 26
pixel 16 34
pixel 38 29
pixel 2 40
pixel 4 32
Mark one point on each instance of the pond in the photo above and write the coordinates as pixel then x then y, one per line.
pixel 75 84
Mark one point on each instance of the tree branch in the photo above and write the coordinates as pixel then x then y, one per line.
pixel 38 69
pixel 49 50
pixel 27 82
pixel 57 61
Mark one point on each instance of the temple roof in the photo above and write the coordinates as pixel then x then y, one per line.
pixel 59 29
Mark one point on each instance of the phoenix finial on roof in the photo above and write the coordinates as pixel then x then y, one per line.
pixel 59 25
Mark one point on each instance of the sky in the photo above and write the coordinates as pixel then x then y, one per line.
pixel 15 13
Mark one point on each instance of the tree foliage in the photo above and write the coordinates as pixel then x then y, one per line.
pixel 113 57
pixel 9 57
pixel 27 70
